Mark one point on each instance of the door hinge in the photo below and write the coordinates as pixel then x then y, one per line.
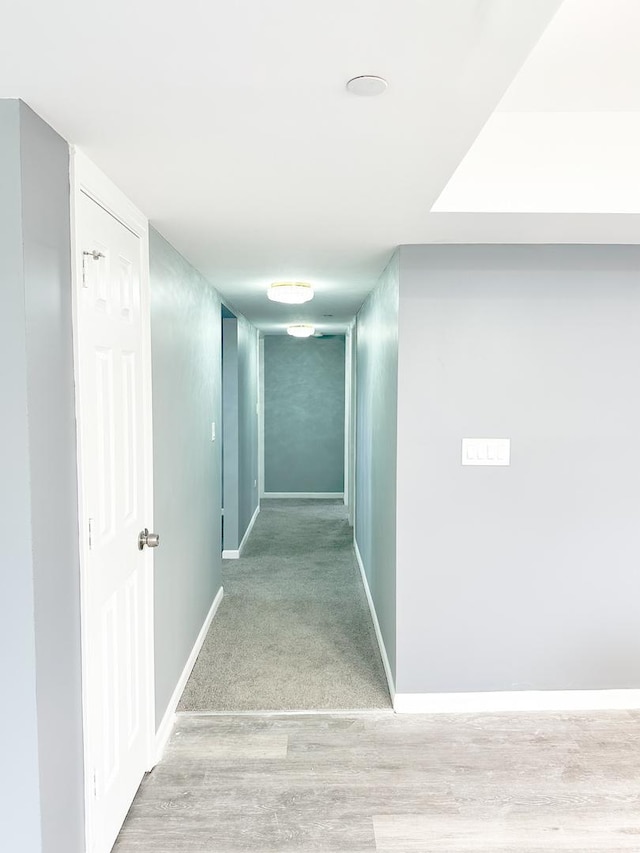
pixel 94 255
pixel 90 533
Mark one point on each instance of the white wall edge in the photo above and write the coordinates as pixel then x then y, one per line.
pixel 304 495
pixel 517 700
pixel 166 726
pixel 376 624
pixel 234 553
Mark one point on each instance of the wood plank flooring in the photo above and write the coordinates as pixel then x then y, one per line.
pixel 381 783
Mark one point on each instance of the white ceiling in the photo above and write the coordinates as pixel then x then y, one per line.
pixel 588 60
pixel 566 135
pixel 230 127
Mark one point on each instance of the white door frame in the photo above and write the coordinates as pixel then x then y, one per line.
pixel 87 179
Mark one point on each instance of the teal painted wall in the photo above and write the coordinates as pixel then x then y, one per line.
pixel 230 526
pixel 376 447
pixel 247 424
pixel 304 414
pixel 187 382
pixel 240 427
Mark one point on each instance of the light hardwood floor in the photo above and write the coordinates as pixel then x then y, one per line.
pixel 381 783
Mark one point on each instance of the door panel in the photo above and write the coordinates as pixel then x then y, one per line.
pixel 116 618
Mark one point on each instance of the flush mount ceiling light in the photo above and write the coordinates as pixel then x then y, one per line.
pixel 292 292
pixel 367 85
pixel 301 330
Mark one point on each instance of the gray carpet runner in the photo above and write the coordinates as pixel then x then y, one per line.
pixel 293 631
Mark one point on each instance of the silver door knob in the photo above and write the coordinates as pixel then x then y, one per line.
pixel 151 540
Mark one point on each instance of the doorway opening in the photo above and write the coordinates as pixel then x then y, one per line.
pixel 229 429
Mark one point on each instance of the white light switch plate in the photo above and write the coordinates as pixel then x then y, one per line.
pixel 486 451
pixel 213 430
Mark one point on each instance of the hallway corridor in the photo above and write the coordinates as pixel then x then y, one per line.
pixel 293 631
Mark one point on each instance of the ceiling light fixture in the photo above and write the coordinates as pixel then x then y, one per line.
pixel 301 330
pixel 367 85
pixel 292 292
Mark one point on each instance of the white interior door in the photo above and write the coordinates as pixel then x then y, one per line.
pixel 116 505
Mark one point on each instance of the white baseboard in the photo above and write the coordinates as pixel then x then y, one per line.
pixel 234 554
pixel 166 726
pixel 517 700
pixel 376 624
pixel 319 495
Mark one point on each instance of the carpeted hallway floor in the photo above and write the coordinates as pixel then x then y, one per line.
pixel 293 631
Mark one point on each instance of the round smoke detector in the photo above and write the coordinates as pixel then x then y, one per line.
pixel 367 85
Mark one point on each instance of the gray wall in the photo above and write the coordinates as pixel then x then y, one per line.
pixel 186 357
pixel 375 498
pixel 41 787
pixel 303 414
pixel 522 577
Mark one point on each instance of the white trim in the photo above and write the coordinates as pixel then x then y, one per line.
pixel 517 700
pixel 376 624
pixel 234 554
pixel 86 179
pixel 302 712
pixel 305 495
pixel 166 726
pixel 249 527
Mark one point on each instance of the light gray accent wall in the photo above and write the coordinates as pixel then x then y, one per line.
pixel 54 484
pixel 41 787
pixel 520 577
pixel 376 444
pixel 304 414
pixel 186 364
pixel 247 424
pixel 19 781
